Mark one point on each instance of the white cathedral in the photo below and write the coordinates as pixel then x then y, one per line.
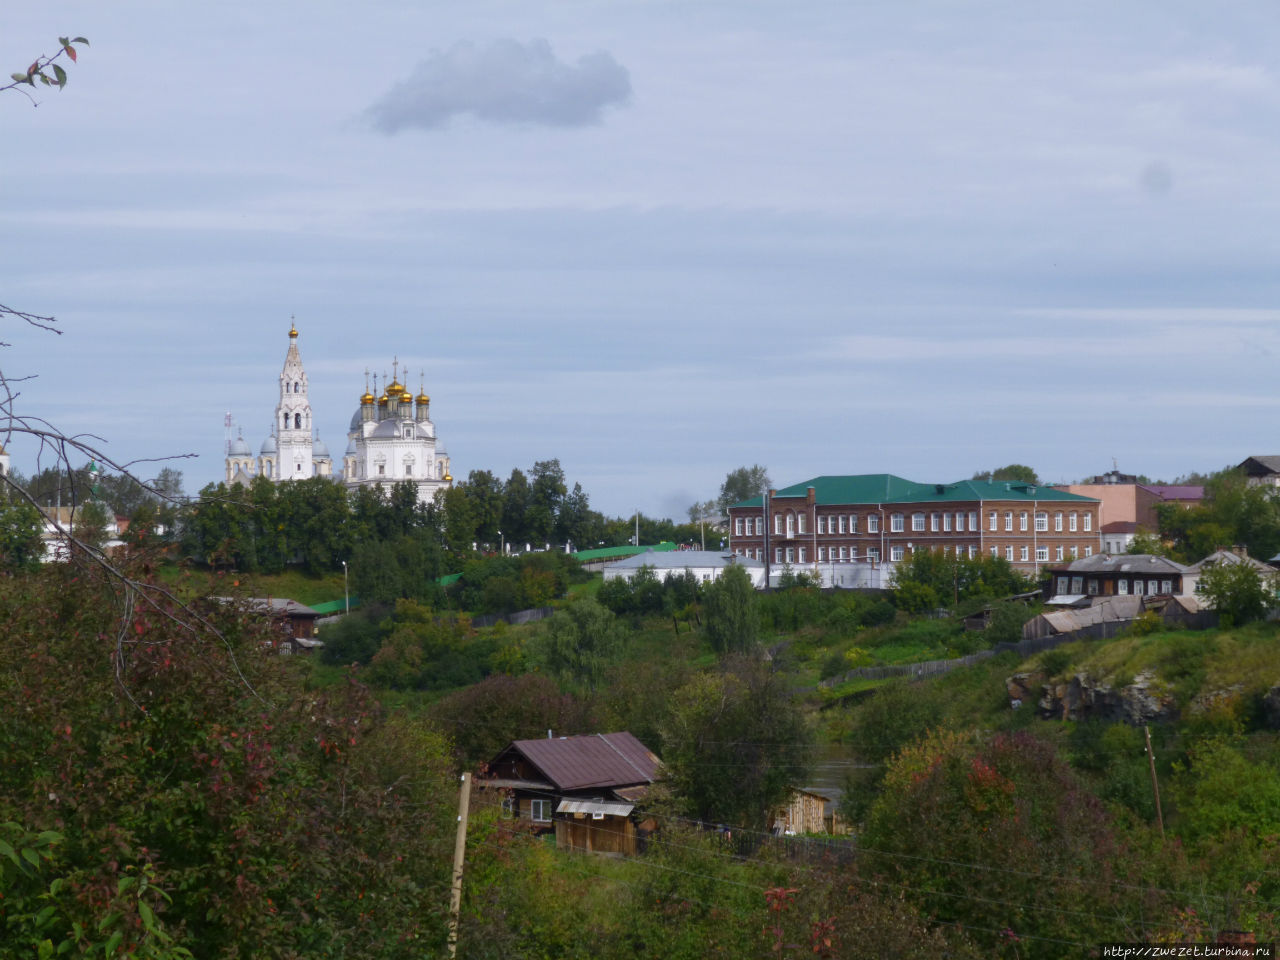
pixel 391 439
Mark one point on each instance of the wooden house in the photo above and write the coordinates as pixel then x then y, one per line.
pixel 806 813
pixel 585 788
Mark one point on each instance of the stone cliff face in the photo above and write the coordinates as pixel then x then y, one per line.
pixel 1145 700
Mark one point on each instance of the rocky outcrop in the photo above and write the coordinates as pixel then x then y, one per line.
pixel 1271 707
pixel 1080 698
pixel 1213 699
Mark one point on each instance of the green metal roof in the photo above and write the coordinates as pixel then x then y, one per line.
pixel 887 488
pixel 614 553
pixel 334 606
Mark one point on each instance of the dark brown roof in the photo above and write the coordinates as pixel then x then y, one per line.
pixel 597 760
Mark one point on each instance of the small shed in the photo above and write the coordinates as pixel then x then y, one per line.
pixel 806 813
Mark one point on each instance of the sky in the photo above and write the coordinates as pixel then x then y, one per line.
pixel 657 240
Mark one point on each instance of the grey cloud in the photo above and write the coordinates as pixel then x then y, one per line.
pixel 503 82
pixel 1156 179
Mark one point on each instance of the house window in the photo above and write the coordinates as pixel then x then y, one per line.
pixel 853 523
pixel 1072 525
pixel 1137 588
pixel 873 523
pixel 791 524
pixel 759 528
pixel 1057 554
pixel 801 556
pixel 842 553
pixel 873 554
pixel 1042 554
pixel 1088 522
pixel 508 807
pixel 737 527
pixel 791 554
pixel 777 554
pixel 1008 554
pixel 992 521
pixel 1062 585
pixel 540 811
pixel 1008 520
pixel 973 551
pixel 1166 586
pixel 933 522
pixel 946 523
pixel 1077 585
pixel 822 524
pixel 408 469
pixel 800 523
pixel 895 553
pixel 959 523
pixel 822 554
pixel 1075 553
pixel 973 520
pixel 1024 554
pixel 917 521
pixel 895 523
pixel 842 525
pixel 1042 522
pixel 853 553
pixel 1057 521
pixel 995 551
pixel 1124 588
pixel 1088 551
pixel 777 524
pixel 1093 587
pixel 1022 521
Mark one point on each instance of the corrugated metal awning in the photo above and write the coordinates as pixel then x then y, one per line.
pixel 595 806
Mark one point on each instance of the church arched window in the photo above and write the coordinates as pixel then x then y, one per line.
pixel 297 421
pixel 295 386
pixel 286 421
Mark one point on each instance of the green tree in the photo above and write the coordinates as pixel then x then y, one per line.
pixel 733 619
pixel 742 484
pixel 484 493
pixel 579 641
pixel 21 546
pixel 515 507
pixel 735 744
pixel 1238 592
pixel 1013 473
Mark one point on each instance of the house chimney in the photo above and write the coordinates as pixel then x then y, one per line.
pixel 810 495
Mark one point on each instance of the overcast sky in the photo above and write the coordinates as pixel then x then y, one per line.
pixel 659 240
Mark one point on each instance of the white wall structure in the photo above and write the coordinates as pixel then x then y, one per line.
pixel 706 565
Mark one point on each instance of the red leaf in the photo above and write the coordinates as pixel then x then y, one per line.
pixel 71 52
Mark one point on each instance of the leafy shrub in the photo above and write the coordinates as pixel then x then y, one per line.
pixel 1055 662
pixel 879 613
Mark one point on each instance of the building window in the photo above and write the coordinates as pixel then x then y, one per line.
pixel 791 554
pixel 800 523
pixel 382 469
pixel 873 523
pixel 737 526
pixel 959 523
pixel 1042 554
pixel 777 524
pixel 842 525
pixel 1137 588
pixel 973 551
pixel 1042 522
pixel 801 555
pixel 1093 587
pixel 1008 521
pixel 917 521
pixel 822 554
pixel 842 552
pixel 1057 521
pixel 1075 553
pixel 1072 525
pixel 995 551
pixel 853 523
pixel 853 553
pixel 822 524
pixel 791 524
pixel 1024 553
pixel 973 521
pixel 408 469
pixel 1088 551
pixel 1077 585
pixel 540 811
pixel 895 523
pixel 946 523
pixel 873 554
pixel 1166 586
pixel 777 554
pixel 1124 588
pixel 759 528
pixel 1062 585
pixel 1088 522
pixel 1058 553
pixel 1008 554
pixel 895 553
pixel 993 521
pixel 1022 521
pixel 933 523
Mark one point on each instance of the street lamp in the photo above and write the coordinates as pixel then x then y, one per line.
pixel 346 594
pixel 502 545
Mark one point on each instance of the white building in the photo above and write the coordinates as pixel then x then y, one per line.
pixel 391 439
pixel 705 565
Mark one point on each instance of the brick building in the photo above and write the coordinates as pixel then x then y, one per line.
pixel 851 529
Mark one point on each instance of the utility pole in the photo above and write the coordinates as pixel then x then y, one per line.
pixel 459 855
pixel 1155 784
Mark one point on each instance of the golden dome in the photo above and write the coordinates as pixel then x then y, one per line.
pixel 382 400
pixel 448 478
pixel 423 398
pixel 366 397
pixel 394 388
pixel 293 331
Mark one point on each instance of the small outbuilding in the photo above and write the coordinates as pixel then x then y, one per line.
pixel 705 565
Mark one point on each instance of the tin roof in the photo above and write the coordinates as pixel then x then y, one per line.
pixel 595 806
pixel 685 559
pixel 1143 563
pixel 596 760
